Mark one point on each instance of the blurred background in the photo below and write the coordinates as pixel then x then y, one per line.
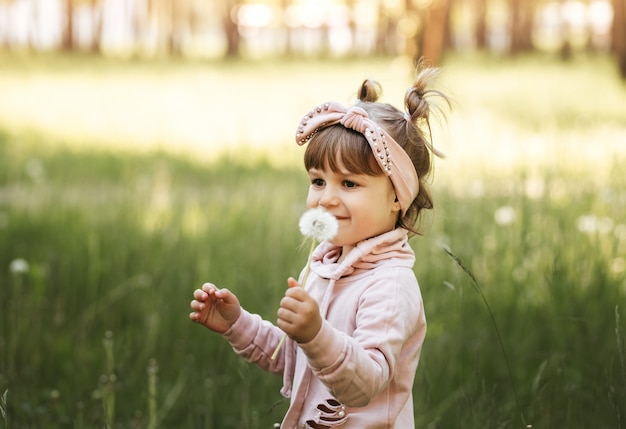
pixel 146 146
pixel 230 29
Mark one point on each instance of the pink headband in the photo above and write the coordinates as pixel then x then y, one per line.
pixel 393 160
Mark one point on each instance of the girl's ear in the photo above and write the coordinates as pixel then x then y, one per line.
pixel 396 204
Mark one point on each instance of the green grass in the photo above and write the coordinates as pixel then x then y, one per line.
pixel 96 332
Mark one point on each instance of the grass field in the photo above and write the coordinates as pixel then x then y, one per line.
pixel 124 186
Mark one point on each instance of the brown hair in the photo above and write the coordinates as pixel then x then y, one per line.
pixel 412 132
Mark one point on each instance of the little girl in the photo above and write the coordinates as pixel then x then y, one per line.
pixel 355 329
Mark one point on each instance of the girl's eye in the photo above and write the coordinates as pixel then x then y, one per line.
pixel 317 182
pixel 349 184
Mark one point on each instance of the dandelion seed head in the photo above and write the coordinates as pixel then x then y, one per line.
pixel 618 265
pixel 605 225
pixel 535 188
pixel 476 189
pixel 592 224
pixel 18 266
pixel 505 215
pixel 34 170
pixel 318 224
pixel 586 223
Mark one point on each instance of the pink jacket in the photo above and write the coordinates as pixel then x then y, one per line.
pixel 358 371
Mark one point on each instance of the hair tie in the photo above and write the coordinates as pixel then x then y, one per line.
pixel 389 155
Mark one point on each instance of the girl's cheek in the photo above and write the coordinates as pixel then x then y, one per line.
pixel 311 200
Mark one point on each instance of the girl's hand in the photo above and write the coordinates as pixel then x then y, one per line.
pixel 217 309
pixel 299 315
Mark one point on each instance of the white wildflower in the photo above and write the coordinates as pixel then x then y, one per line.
pixel 592 224
pixel 605 225
pixel 504 215
pixel 19 266
pixel 476 189
pixel 318 224
pixel 618 265
pixel 35 170
pixel 535 188
pixel 586 223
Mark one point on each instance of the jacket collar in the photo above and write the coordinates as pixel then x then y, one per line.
pixel 365 255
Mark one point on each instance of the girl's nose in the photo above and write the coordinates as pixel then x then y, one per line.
pixel 328 197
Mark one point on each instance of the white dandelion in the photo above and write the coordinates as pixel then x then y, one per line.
pixel 19 266
pixel 505 215
pixel 592 224
pixel 316 225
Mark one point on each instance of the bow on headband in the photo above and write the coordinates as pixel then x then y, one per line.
pixel 391 158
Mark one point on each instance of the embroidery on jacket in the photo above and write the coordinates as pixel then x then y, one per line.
pixel 330 414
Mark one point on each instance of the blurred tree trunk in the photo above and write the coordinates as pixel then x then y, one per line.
pixel 165 14
pixel 386 31
pixel 5 39
pixel 284 5
pixel 96 16
pixel 324 31
pixel 67 41
pixel 231 31
pixel 352 24
pixel 480 24
pixel 154 22
pixel 33 26
pixel 618 35
pixel 435 31
pixel 521 24
pixel 178 19
pixel 168 20
pixel 407 27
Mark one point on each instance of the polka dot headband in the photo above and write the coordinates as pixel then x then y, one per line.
pixel 391 158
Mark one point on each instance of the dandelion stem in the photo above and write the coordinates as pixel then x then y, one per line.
pixel 307 268
pixel 495 325
pixel 279 346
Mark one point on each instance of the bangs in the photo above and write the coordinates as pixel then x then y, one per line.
pixel 335 145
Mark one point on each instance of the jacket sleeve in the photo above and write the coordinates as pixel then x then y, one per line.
pixel 390 325
pixel 255 340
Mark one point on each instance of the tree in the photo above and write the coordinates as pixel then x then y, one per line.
pixel 386 31
pixel 480 24
pixel 231 30
pixel 521 25
pixel 96 38
pixel 434 34
pixel 67 42
pixel 618 35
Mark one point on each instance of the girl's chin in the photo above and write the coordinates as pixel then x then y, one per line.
pixel 337 243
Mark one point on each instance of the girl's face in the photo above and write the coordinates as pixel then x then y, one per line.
pixel 363 205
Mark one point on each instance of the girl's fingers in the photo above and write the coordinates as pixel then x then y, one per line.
pixel 200 295
pixel 209 288
pixel 196 305
pixel 227 296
